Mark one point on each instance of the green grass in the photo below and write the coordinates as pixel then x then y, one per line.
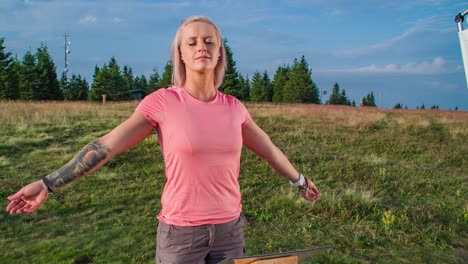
pixel 393 186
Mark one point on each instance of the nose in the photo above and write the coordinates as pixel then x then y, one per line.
pixel 202 47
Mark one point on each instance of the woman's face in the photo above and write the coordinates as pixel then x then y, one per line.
pixel 199 47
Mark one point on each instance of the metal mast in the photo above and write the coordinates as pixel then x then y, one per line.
pixel 67 52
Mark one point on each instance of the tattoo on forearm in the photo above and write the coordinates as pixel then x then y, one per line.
pixel 86 160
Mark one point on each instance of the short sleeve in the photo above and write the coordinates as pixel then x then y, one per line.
pixel 244 113
pixel 153 106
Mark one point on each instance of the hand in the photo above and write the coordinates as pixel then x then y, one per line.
pixel 312 192
pixel 28 199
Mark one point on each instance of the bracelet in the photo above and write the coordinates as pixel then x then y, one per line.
pixel 46 182
pixel 304 188
pixel 299 182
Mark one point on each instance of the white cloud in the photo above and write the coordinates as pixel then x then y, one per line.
pixel 117 20
pixel 88 20
pixel 437 66
pixel 379 47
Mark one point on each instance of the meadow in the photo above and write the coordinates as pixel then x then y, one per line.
pixel 393 185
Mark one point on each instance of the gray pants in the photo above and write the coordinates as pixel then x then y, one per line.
pixel 204 244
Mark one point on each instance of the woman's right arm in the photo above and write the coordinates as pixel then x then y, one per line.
pixel 90 158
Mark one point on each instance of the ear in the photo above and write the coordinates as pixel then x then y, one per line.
pixel 180 56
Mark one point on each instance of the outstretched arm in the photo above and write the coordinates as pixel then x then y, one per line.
pixel 89 159
pixel 259 142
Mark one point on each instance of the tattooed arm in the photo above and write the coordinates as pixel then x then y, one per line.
pixel 89 159
pixel 86 161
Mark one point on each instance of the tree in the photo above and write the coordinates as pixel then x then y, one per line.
pixel 6 60
pixel 117 82
pixel 97 87
pixel 109 81
pixel 153 81
pixel 13 79
pixel 28 77
pixel 299 88
pixel 76 89
pixel 141 83
pixel 279 80
pixel 48 84
pixel 63 83
pixel 267 87
pixel 257 93
pixel 244 87
pixel 230 83
pixel 368 100
pixel 338 97
pixel 128 78
pixel 398 106
pixel 166 79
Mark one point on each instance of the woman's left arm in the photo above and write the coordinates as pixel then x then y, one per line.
pixel 260 143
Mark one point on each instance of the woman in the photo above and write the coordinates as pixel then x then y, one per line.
pixel 201 132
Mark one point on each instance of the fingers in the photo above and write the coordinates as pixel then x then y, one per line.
pixel 312 193
pixel 16 207
pixel 16 196
pixel 28 199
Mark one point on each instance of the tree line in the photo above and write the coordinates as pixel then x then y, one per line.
pixel 34 77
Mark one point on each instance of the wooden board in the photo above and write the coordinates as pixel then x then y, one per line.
pixel 279 260
pixel 290 257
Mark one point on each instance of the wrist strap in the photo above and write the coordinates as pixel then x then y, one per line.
pixel 46 182
pixel 305 187
pixel 299 182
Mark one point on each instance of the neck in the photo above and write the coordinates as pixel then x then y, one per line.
pixel 200 86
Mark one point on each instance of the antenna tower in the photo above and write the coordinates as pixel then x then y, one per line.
pixel 67 52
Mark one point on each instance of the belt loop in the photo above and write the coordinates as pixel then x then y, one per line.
pixel 211 230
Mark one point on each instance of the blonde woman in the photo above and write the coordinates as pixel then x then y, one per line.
pixel 201 132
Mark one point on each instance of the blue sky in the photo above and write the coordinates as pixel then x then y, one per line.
pixel 405 52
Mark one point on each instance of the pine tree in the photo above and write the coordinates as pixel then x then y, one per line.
pixel 267 87
pixel 279 80
pixel 128 78
pixel 369 100
pixel 334 98
pixel 117 83
pixel 153 81
pixel 76 89
pixel 299 87
pixel 141 83
pixel 257 92
pixel 344 98
pixel 48 84
pixel 398 106
pixel 63 83
pixel 245 87
pixel 338 97
pixel 98 84
pixel 6 60
pixel 13 91
pixel 230 83
pixel 166 79
pixel 109 80
pixel 28 77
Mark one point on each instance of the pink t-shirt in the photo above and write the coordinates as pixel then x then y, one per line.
pixel 201 143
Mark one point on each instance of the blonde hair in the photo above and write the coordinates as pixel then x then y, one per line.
pixel 178 68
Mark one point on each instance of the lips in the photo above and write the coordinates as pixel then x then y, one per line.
pixel 204 57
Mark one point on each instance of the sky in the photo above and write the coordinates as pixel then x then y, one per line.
pixel 404 51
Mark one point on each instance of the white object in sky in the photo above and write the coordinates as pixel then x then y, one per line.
pixel 463 35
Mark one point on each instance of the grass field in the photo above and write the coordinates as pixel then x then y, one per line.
pixel 393 184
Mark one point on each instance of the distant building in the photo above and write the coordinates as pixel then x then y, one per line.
pixel 138 94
